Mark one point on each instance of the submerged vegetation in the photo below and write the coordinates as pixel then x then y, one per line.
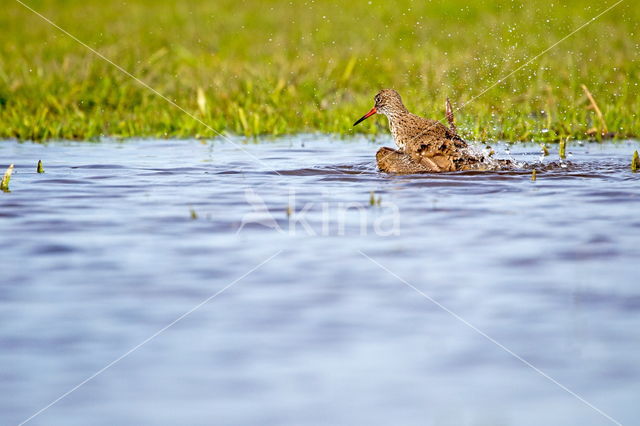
pixel 255 68
pixel 373 201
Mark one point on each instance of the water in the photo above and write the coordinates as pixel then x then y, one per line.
pixel 340 327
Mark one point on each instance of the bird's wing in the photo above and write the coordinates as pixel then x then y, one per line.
pixel 392 161
pixel 436 153
pixel 450 118
pixel 436 146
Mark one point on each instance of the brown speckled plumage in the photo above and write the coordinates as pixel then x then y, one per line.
pixel 424 145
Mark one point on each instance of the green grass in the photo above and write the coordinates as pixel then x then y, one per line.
pixel 254 67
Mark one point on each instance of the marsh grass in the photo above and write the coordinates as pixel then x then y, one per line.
pixel 255 68
pixel 562 148
pixel 6 178
pixel 635 162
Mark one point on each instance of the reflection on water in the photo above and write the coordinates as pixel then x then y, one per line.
pixel 100 252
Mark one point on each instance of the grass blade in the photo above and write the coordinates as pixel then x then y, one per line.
pixel 4 185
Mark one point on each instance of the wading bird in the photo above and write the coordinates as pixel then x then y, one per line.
pixel 424 145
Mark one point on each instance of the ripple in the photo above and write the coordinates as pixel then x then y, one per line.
pixel 97 257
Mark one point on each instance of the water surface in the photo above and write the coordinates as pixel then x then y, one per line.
pixel 341 326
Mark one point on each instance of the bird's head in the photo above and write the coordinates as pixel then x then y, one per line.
pixel 387 102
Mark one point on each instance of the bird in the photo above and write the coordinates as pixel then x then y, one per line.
pixel 424 145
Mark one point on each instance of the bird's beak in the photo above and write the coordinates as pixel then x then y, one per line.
pixel 367 115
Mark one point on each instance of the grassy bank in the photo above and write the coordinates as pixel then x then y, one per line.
pixel 274 67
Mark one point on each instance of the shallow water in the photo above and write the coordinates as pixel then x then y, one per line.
pixel 378 314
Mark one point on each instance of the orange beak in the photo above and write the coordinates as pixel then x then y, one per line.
pixel 367 115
